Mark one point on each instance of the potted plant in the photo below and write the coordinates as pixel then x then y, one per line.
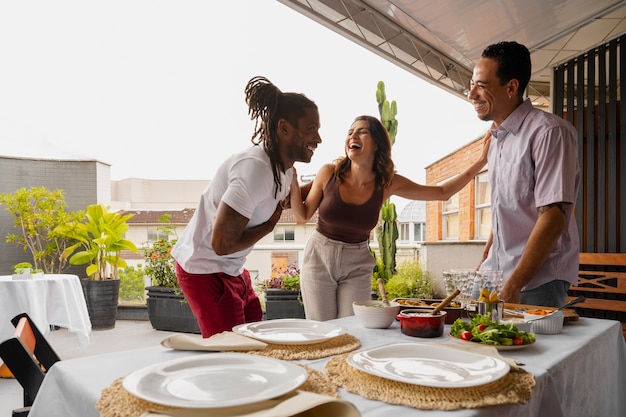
pixel 167 307
pixel 282 295
pixel 409 282
pixel 99 240
pixel 24 270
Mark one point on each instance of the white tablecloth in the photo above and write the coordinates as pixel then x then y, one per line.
pixel 580 372
pixel 50 300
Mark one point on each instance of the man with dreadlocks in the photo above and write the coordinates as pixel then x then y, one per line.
pixel 241 205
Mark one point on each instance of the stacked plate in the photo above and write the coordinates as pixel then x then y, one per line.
pixel 215 380
pixel 427 365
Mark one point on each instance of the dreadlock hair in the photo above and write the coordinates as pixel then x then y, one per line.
pixel 383 164
pixel 266 106
pixel 513 62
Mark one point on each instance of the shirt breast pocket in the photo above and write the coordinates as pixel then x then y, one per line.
pixel 516 179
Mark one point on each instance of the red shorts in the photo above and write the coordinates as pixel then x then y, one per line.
pixel 220 301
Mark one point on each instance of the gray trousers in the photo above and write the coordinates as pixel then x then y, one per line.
pixel 333 275
pixel 551 294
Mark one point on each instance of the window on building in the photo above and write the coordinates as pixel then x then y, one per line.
pixel 284 234
pixel 405 232
pixel 483 207
pixel 419 232
pixel 281 260
pixel 450 218
pixel 154 234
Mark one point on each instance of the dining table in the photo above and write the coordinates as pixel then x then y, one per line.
pixel 49 300
pixel 578 372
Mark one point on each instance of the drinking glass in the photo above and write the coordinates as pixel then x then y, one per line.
pixel 490 280
pixel 450 280
pixel 464 279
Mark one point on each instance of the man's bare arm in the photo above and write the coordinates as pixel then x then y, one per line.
pixel 229 230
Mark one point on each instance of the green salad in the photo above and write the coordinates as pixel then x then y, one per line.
pixel 481 329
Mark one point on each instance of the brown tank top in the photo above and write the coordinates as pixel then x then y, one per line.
pixel 348 223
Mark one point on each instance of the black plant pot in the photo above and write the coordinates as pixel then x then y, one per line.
pixel 283 304
pixel 168 310
pixel 101 298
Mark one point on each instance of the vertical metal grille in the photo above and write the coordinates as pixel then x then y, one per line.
pixel 588 92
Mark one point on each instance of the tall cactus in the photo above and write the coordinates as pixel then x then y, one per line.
pixel 387 232
pixel 387 112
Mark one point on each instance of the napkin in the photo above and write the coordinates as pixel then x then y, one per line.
pixel 479 349
pixel 225 341
pixel 295 403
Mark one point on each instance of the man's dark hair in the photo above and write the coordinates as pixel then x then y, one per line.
pixel 513 62
pixel 267 105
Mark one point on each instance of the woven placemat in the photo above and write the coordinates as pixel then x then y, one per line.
pixel 513 388
pixel 335 346
pixel 117 402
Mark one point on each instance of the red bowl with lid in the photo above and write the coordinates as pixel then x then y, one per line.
pixel 421 322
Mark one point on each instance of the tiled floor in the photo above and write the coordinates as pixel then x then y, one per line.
pixel 127 334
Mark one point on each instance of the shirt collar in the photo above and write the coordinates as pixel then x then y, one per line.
pixel 513 123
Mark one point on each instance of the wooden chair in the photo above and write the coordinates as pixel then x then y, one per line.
pixel 28 355
pixel 602 280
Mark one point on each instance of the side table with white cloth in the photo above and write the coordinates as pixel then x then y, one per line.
pixel 53 299
pixel 580 372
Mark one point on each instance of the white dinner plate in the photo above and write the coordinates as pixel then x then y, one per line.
pixel 432 366
pixel 290 331
pixel 215 380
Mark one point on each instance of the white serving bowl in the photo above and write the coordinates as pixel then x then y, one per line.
pixel 373 314
pixel 549 325
pixel 519 323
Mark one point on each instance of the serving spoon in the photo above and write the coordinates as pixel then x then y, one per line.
pixel 445 302
pixel 575 301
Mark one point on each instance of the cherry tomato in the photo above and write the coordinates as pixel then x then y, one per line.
pixel 466 335
pixel 517 340
pixel 481 327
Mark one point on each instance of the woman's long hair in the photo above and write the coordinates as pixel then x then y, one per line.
pixel 383 164
pixel 266 106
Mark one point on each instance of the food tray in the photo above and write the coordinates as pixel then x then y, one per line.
pixel 455 310
pixel 569 314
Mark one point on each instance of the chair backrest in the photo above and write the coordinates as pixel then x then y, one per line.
pixel 17 353
pixel 44 353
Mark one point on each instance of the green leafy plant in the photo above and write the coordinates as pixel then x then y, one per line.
pixel 37 212
pixel 287 279
pixel 132 284
pixel 21 267
pixel 159 262
pixel 101 237
pixel 410 281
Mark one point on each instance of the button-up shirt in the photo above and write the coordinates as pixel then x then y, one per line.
pixel 533 162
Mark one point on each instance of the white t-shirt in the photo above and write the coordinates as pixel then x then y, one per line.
pixel 245 181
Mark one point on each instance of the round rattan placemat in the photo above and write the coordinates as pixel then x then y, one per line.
pixel 513 388
pixel 335 346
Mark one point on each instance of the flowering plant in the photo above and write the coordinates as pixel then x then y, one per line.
pixel 287 279
pixel 159 262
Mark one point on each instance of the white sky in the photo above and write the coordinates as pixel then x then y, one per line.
pixel 145 85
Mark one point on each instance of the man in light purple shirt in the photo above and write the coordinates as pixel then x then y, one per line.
pixel 534 177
